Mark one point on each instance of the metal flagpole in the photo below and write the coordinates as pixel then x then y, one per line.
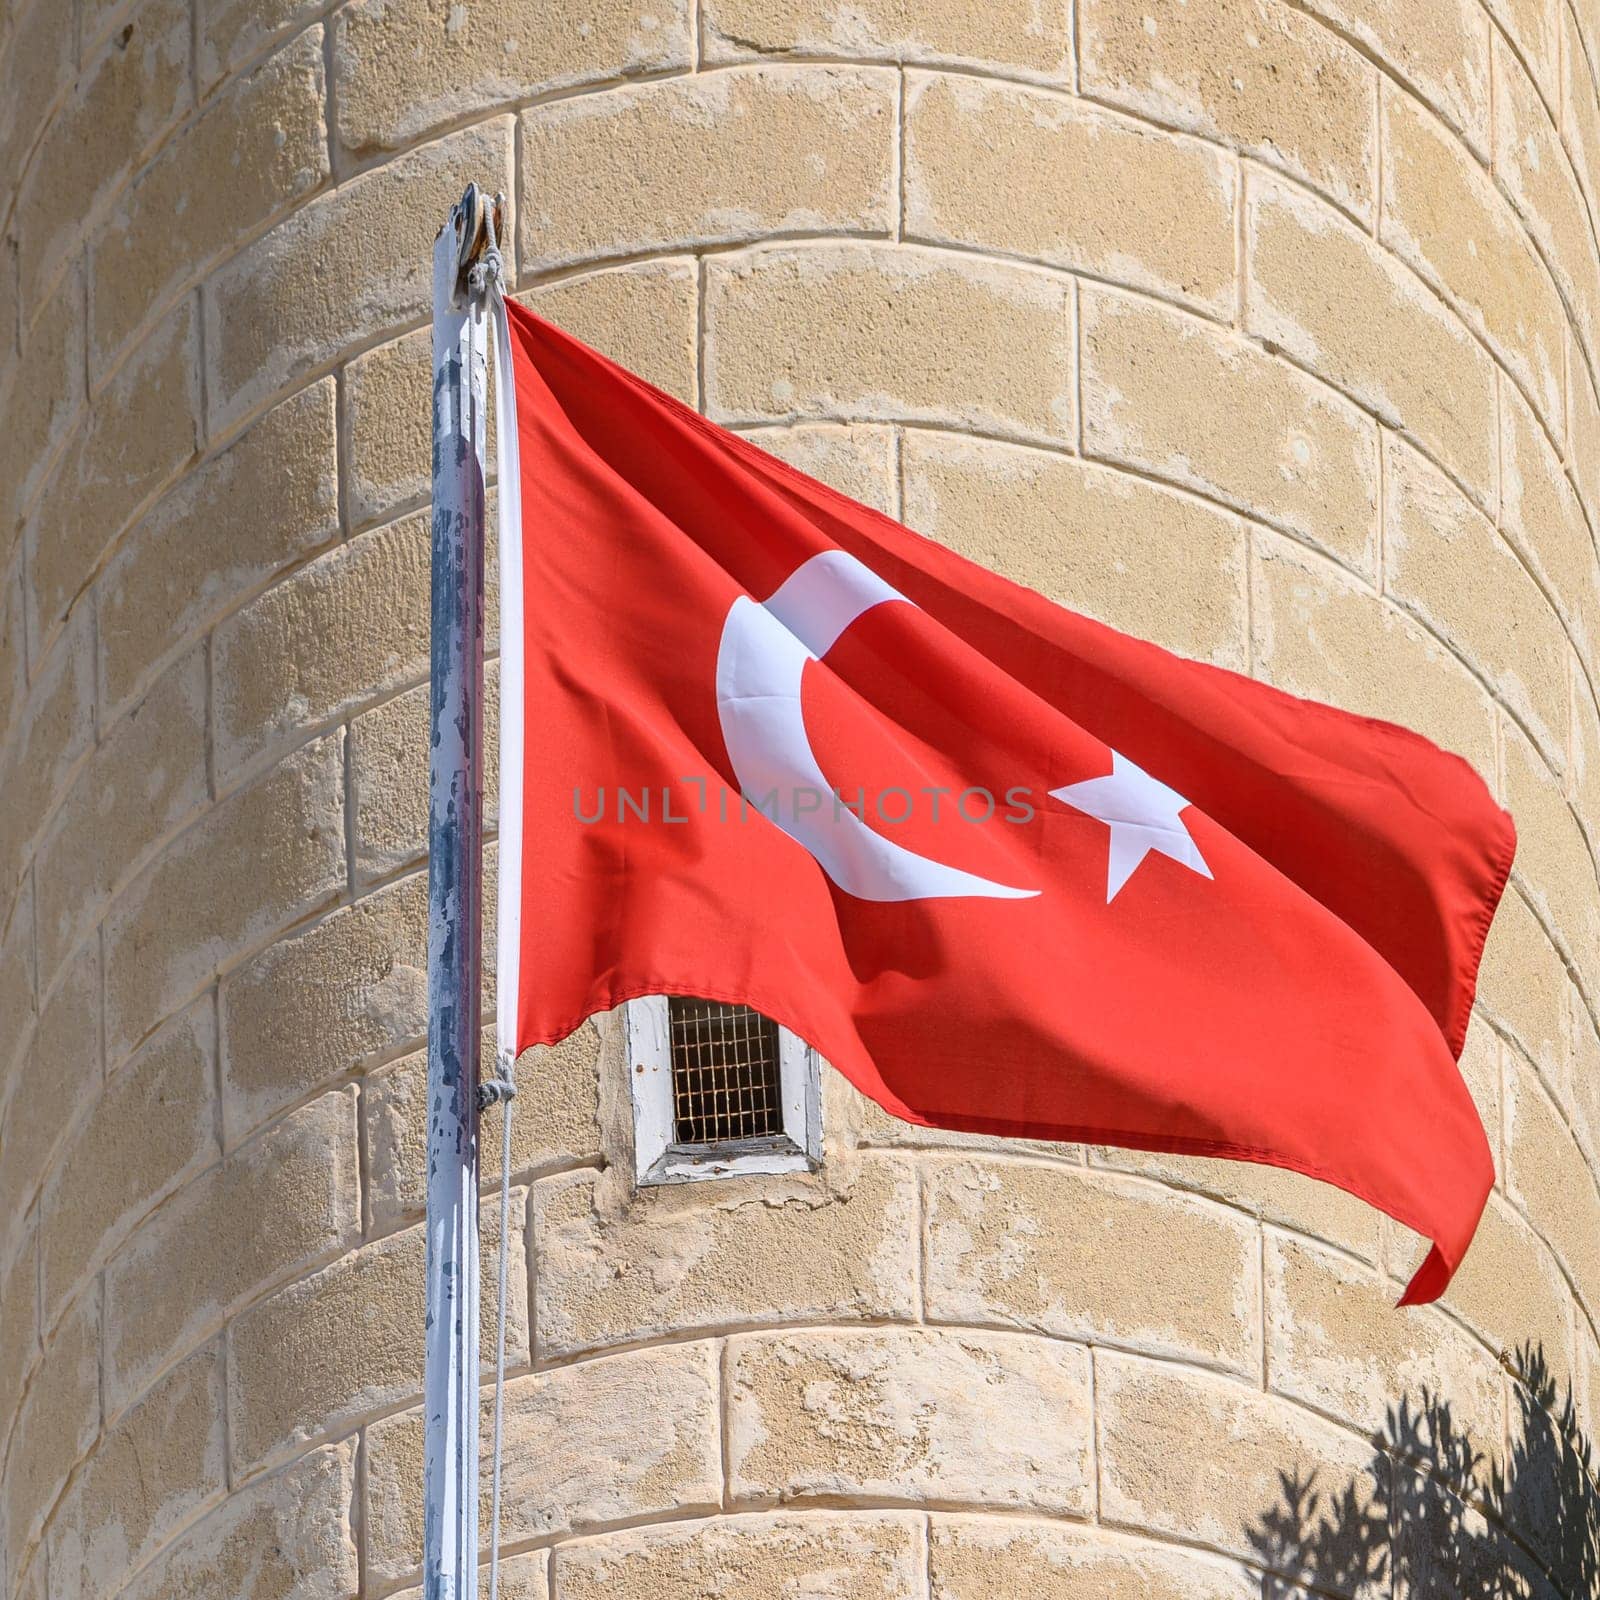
pixel 455 872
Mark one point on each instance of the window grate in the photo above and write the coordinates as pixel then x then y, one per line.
pixel 726 1076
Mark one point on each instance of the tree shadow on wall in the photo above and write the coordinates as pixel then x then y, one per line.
pixel 1434 1526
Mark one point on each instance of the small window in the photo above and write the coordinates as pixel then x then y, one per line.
pixel 718 1090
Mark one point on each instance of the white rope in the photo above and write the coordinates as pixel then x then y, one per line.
pixel 507 1104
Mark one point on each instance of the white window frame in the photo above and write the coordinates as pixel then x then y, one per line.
pixel 657 1159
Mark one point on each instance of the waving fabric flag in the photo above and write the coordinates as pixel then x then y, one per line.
pixel 1007 869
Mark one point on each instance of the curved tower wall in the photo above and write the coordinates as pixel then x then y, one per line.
pixel 1267 331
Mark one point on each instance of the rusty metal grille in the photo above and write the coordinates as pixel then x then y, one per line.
pixel 726 1081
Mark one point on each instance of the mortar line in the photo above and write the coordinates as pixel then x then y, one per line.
pixel 723 1356
pixel 330 105
pixel 360 1489
pixel 1096 1513
pixel 1075 311
pixel 219 1117
pixel 1240 243
pixel 1261 1302
pixel 1379 199
pixel 701 399
pixel 1250 560
pixel 899 155
pixel 1382 529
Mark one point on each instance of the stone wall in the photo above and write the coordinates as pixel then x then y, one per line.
pixel 1265 328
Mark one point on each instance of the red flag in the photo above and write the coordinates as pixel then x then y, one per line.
pixel 1007 869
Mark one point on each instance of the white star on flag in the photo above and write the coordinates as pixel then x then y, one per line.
pixel 1143 815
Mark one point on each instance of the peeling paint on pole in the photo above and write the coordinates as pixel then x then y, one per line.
pixel 455 838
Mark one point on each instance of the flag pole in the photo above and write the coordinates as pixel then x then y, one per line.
pixel 455 874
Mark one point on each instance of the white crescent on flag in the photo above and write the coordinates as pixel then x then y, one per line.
pixel 760 661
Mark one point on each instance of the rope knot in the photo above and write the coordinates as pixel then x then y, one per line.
pixel 488 270
pixel 492 1091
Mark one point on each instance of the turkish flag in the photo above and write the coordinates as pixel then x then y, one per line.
pixel 1005 868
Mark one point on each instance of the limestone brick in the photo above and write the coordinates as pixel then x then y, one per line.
pixel 1583 429
pixel 1537 173
pixel 1533 27
pixel 848 1557
pixel 341 630
pixel 806 149
pixel 1165 394
pixel 270 320
pixel 231 33
pixel 388 753
pixel 841 1250
pixel 1547 1175
pixel 55 399
pixel 1582 106
pixel 1509 1291
pixel 1582 1082
pixel 1013 35
pixel 1437 48
pixel 971 1558
pixel 56 1424
pixel 1200 1458
pixel 54 731
pixel 1342 306
pixel 1443 213
pixel 36 69
pixel 262 143
pixel 1522 984
pixel 145 778
pixel 265 856
pixel 1544 520
pixel 1553 863
pixel 1272 1193
pixel 347 1341
pixel 871 333
pixel 1026 173
pixel 289 1537
pixel 388 399
pixel 910 1415
pixel 1254 74
pixel 18 987
pixel 401 74
pixel 642 315
pixel 157 1466
pixel 127 94
pixel 1075 1254
pixel 558 1090
pixel 1075 531
pixel 1336 1341
pixel 640 1436
pixel 152 1128
pixel 19 1325
pixel 323 1003
pixel 58 1072
pixel 1481 1066
pixel 143 428
pixel 13 646
pixel 857 461
pixel 1318 633
pixel 1446 564
pixel 276 1205
pixel 265 502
